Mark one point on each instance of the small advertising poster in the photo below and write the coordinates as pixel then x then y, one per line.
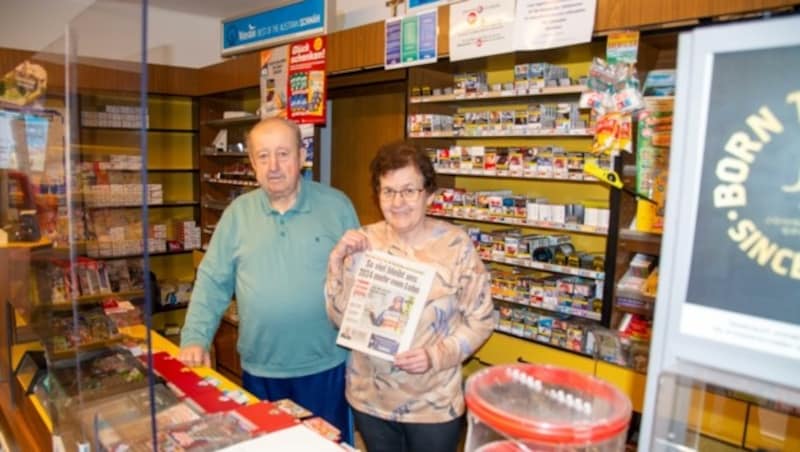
pixel 393 41
pixel 385 304
pixel 546 24
pixel 426 41
pixel 409 46
pixel 307 87
pixel 274 66
pixel 479 28
pixel 622 47
pixel 411 40
pixel 744 282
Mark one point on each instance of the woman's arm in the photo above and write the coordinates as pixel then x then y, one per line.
pixel 475 303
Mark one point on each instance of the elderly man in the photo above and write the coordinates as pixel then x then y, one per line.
pixel 271 249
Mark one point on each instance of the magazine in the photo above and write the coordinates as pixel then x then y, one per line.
pixel 385 304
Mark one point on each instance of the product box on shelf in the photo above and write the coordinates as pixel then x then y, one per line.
pixel 64 334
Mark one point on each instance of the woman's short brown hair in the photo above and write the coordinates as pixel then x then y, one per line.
pixel 394 156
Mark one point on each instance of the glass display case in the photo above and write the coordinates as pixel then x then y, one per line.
pixel 67 353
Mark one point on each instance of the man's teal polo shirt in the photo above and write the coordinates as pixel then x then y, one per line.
pixel 276 263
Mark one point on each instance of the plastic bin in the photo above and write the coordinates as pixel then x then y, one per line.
pixel 534 408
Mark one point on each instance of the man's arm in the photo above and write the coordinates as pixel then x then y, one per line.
pixel 213 287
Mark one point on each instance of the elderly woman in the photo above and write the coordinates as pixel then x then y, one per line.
pixel 416 402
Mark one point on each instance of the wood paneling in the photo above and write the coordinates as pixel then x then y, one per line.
pixel 619 14
pixel 227 358
pixel 444 31
pixel 102 74
pixel 363 78
pixel 242 71
pixel 364 118
pixel 174 80
pixel 356 48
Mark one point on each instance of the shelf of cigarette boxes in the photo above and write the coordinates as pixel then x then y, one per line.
pixel 228 181
pixel 497 219
pixel 634 301
pixel 504 94
pixel 233 416
pixel 121 195
pixel 530 263
pixel 573 177
pixel 559 308
pixel 495 133
pixel 132 248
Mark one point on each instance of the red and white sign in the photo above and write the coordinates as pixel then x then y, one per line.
pixel 307 84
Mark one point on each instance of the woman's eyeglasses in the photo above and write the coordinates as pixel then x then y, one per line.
pixel 406 194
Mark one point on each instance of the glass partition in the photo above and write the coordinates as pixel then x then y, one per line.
pixel 75 197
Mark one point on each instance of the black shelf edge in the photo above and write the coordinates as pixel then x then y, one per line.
pixel 136 129
pixel 149 206
pixel 171 308
pixel 638 236
pixel 232 121
pixel 151 170
pixel 173 170
pixel 632 310
pixel 214 205
pixel 128 256
pixel 224 154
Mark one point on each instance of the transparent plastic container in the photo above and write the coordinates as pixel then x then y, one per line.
pixel 533 408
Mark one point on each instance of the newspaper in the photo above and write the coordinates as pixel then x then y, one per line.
pixel 385 304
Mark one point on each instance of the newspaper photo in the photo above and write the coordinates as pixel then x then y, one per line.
pixel 385 304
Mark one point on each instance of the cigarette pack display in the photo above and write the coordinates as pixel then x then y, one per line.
pixel 65 334
pixel 207 434
pixel 324 428
pixel 292 408
pixel 263 417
